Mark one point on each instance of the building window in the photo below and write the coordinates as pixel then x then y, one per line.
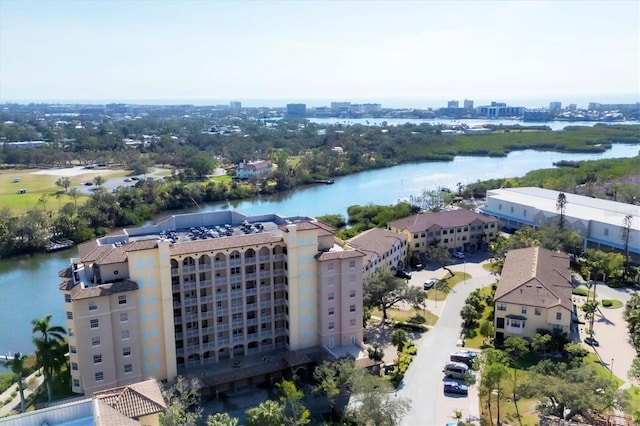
pixel 124 334
pixel 606 232
pixel 515 323
pixel 331 296
pixel 76 383
pixel 69 315
pixel 97 359
pixel 126 351
pixel 74 366
pixel 499 206
pixel 352 293
pixel 330 267
pixel 559 316
pixel 417 245
pixel 331 281
pixel 122 300
pixel 95 341
pixel 524 212
pixel 352 322
pixel 124 317
pixel 446 240
pixel 511 209
pixel 502 307
pixel 332 326
pixel 94 323
pixel 92 306
pixel 70 332
pixel 444 232
pixel 67 298
pixel 537 311
pixel 352 308
pixel 73 349
pixel 331 311
pixel 352 264
pixel 524 310
pixel 115 273
pixel 128 368
pixel 99 376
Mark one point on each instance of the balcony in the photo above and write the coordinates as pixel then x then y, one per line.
pixel 191 317
pixel 193 332
pixel 189 285
pixel 207 330
pixel 208 346
pixel 220 264
pixel 251 291
pixel 279 287
pixel 252 321
pixel 206 315
pixel 205 283
pixel 237 324
pixel 281 331
pixel 177 320
pixel 252 306
pixel 222 327
pixel 222 311
pixel 221 282
pixel 180 351
pixel 235 278
pixel 265 318
pixel 250 276
pixel 281 316
pixel 265 304
pixel 265 274
pixel 193 348
pixel 250 260
pixel 236 294
pixel 178 336
pixel 223 342
pixel 221 296
pixel 265 289
pixel 204 266
pixel 235 262
pixel 237 309
pixel 190 301
pixel 265 334
pixel 206 299
pixel 265 259
pixel 238 339
pixel 188 269
pixel 175 272
pixel 281 256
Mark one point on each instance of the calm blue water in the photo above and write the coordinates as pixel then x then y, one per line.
pixel 553 125
pixel 29 284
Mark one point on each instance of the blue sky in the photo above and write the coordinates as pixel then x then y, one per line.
pixel 215 51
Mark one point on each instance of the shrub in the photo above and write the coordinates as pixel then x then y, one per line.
pixel 580 291
pixel 412 350
pixel 14 394
pixel 607 303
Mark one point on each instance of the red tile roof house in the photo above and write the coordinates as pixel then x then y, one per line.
pixel 252 169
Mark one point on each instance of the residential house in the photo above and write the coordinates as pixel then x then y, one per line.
pixel 382 248
pixel 253 169
pixel 533 294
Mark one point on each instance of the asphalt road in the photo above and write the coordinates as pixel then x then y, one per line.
pixel 423 382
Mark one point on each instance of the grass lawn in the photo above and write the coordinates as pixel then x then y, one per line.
pixel 441 294
pixel 39 185
pixel 411 315
pixel 473 339
pixel 614 304
pixel 634 397
pixel 491 267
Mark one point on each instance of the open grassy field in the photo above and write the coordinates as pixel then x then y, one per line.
pixel 41 189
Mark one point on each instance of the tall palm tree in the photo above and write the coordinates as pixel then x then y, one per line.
pixel 50 349
pixel 17 368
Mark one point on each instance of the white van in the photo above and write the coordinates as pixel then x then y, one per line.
pixel 455 370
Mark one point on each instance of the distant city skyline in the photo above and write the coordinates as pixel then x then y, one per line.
pixel 400 54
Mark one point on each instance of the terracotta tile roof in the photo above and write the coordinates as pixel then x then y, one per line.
pixel 448 219
pixel 296 358
pixel 213 244
pixel 147 244
pixel 537 277
pixel 66 286
pixel 102 289
pixel 105 415
pixel 105 254
pixel 87 247
pixel 135 400
pixel 300 226
pixel 376 241
pixel 333 255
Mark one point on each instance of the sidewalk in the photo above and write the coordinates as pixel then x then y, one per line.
pixel 14 406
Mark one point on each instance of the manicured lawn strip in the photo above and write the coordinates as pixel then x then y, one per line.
pixel 441 294
pixel 614 304
pixel 634 397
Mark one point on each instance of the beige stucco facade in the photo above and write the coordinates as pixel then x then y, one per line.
pixel 197 301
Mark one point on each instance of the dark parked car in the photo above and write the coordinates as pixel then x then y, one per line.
pixel 458 254
pixel 403 274
pixel 591 341
pixel 455 387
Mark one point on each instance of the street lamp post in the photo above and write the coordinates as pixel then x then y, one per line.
pixel 611 371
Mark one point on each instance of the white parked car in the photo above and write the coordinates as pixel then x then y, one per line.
pixel 458 254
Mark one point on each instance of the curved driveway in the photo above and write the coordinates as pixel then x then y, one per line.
pixel 422 383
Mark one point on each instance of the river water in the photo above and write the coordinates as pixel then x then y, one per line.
pixel 29 284
pixel 471 122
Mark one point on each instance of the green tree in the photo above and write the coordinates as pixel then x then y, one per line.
pixel 590 308
pixel 542 343
pixel 294 412
pixel 486 329
pixel 375 352
pixel 16 364
pixel 375 403
pixel 221 419
pixel 384 290
pixel 202 164
pixel 561 205
pixel 64 182
pixel 493 363
pixel 576 351
pixel 441 256
pixel 183 404
pixel 268 413
pixel 99 181
pixel 469 315
pixel 516 347
pixel 50 349
pixel 632 316
pixel 399 338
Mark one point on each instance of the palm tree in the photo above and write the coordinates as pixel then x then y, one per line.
pixel 50 349
pixel 17 368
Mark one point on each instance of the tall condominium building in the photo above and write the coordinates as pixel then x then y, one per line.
pixel 228 298
pixel 468 104
pixel 296 110
pixel 453 104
